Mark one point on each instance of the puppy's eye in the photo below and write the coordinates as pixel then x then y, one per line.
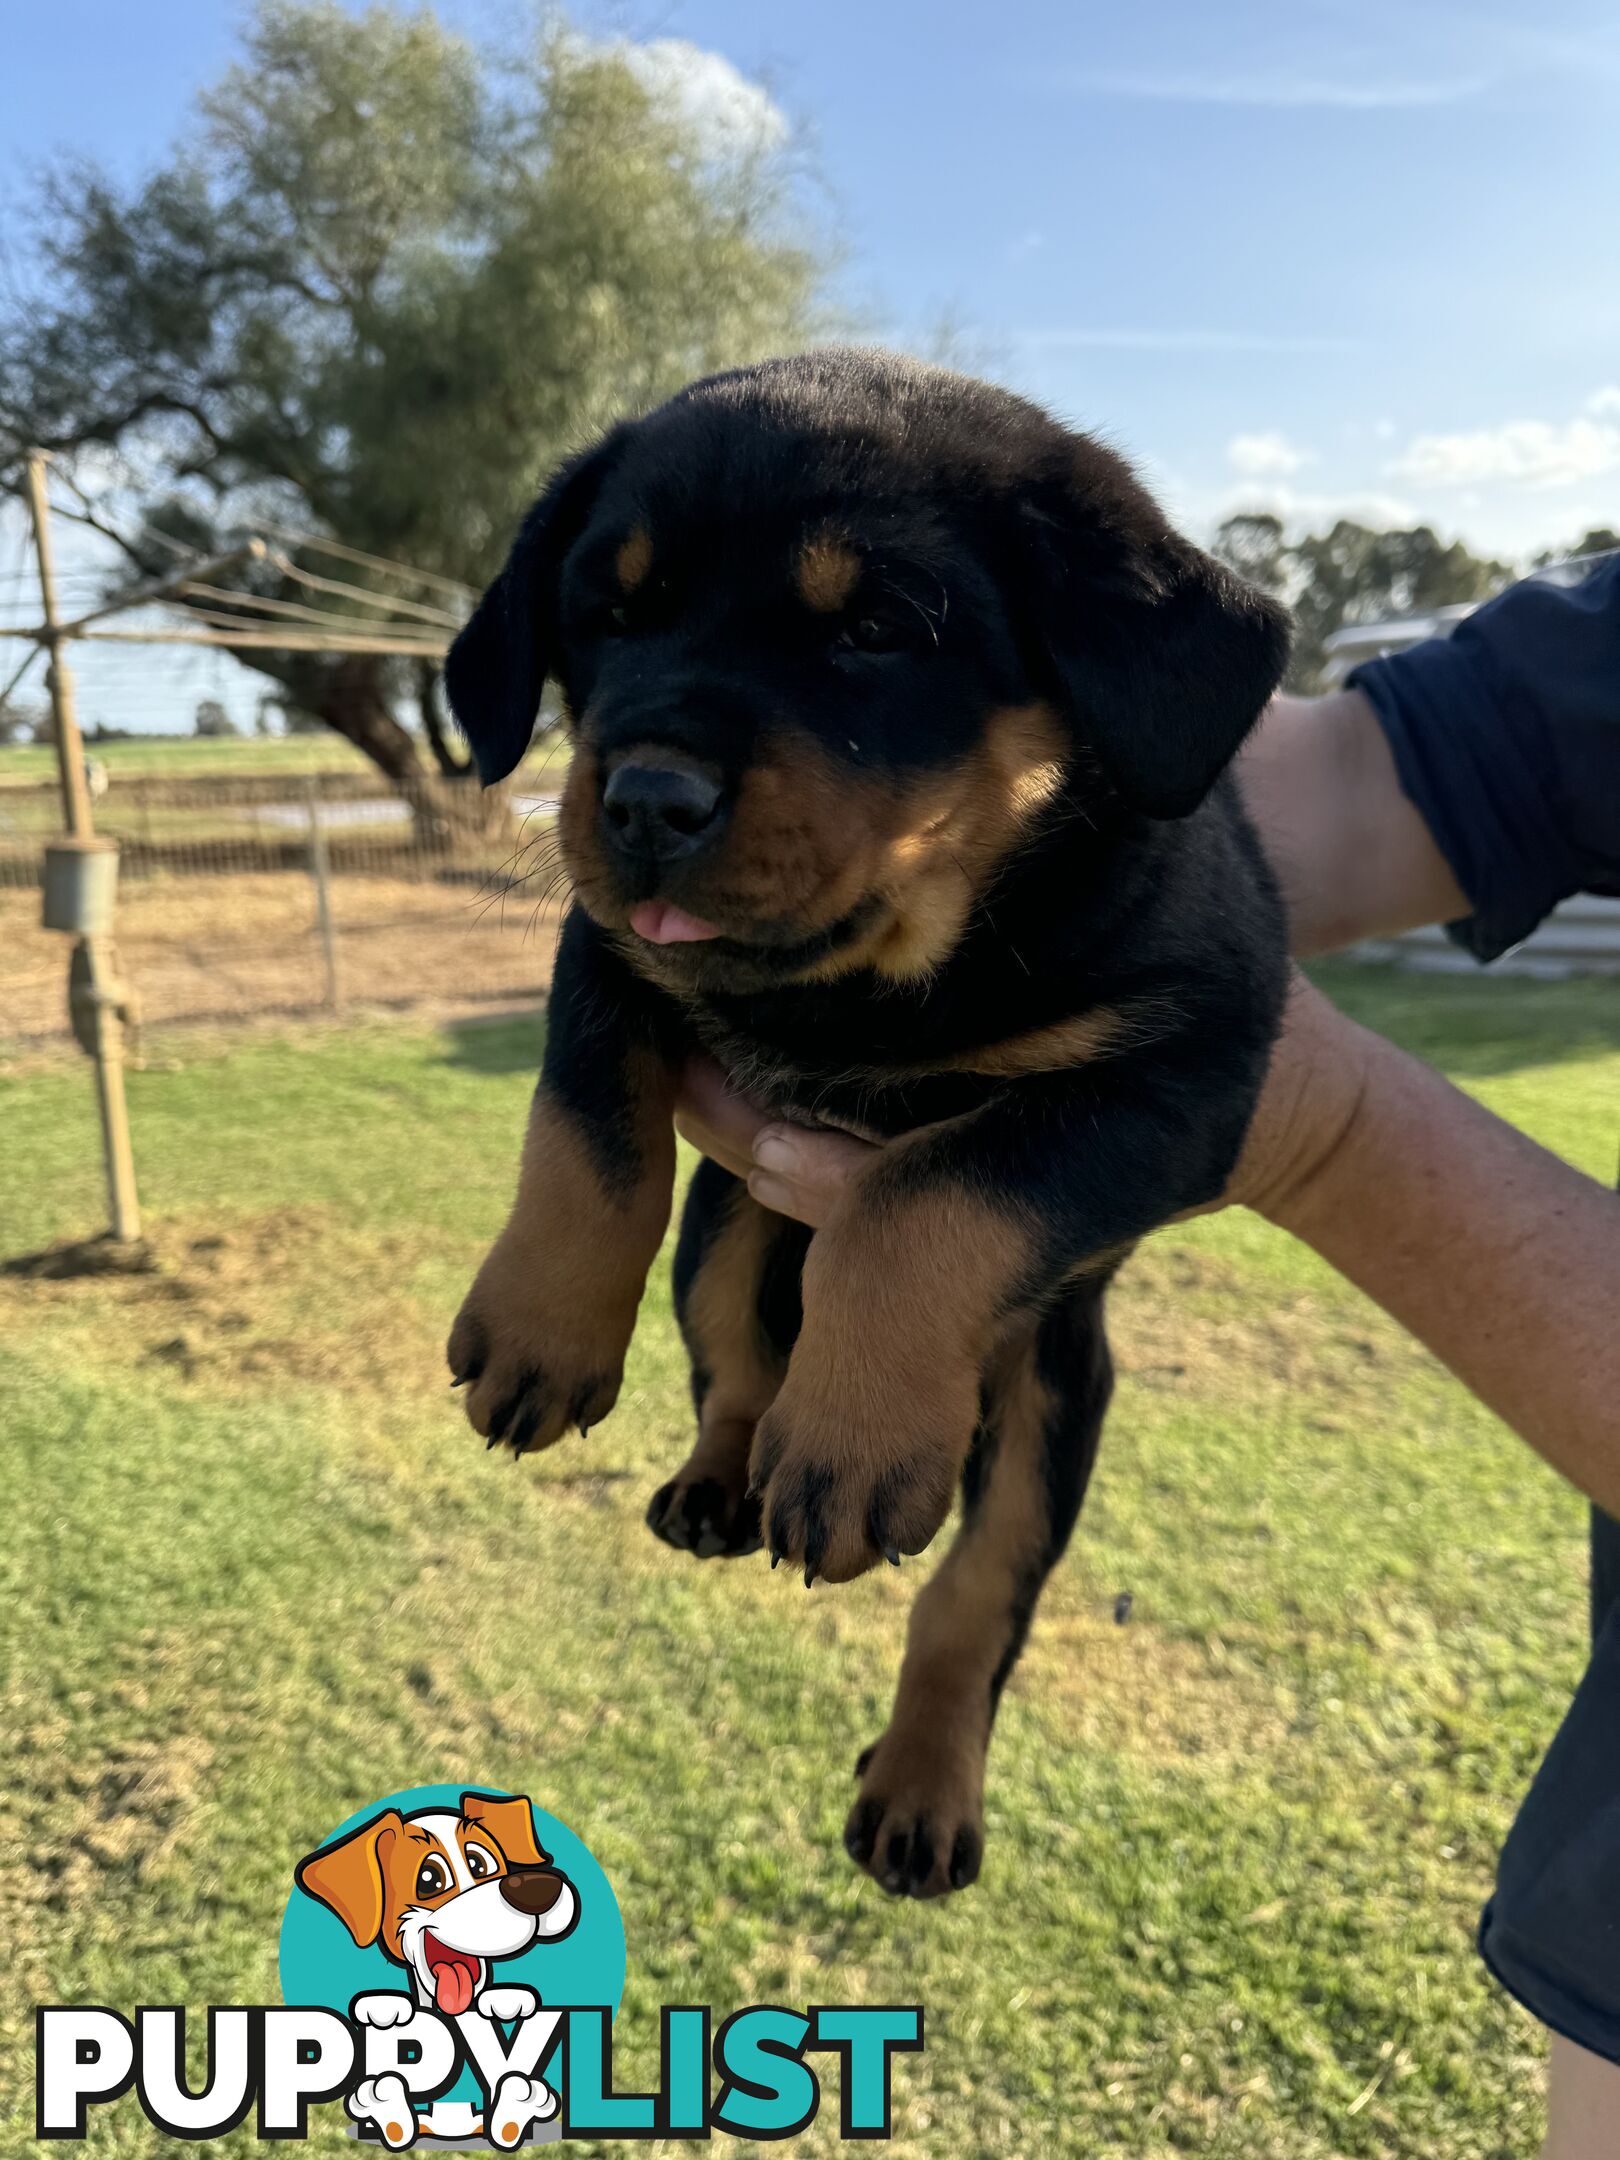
pixel 871 634
pixel 432 1877
pixel 479 1864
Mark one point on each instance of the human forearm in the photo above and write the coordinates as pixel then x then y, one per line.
pixel 1498 1256
pixel 1352 855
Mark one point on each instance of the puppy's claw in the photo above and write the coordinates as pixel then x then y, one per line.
pixel 809 1573
pixel 494 1440
pixel 776 1557
pixel 892 1555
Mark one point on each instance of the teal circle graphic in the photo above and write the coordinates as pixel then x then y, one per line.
pixel 322 1964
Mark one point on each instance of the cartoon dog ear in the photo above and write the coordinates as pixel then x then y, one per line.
pixel 348 1876
pixel 510 1823
pixel 496 670
pixel 1162 658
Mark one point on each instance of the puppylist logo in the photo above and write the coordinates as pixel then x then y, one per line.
pixel 451 1964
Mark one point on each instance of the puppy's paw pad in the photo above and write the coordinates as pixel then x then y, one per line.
pixel 703 1516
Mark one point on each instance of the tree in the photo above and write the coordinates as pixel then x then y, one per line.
pixel 1598 540
pixel 213 720
pixel 1352 575
pixel 387 284
pixel 21 720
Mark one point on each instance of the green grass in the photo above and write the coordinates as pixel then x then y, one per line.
pixel 190 757
pixel 194 757
pixel 255 1575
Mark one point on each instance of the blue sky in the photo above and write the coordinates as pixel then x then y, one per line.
pixel 1303 253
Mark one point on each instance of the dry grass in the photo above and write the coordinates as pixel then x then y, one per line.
pixel 244 947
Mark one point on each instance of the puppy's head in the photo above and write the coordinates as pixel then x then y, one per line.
pixel 443 1893
pixel 832 636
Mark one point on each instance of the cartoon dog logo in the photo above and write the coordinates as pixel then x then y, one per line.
pixel 446 1894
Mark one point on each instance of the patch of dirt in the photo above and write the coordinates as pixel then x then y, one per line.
pixel 1181 1319
pixel 204 1307
pixel 122 1812
pixel 247 947
pixel 1133 1691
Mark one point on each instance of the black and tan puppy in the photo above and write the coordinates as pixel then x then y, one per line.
pixel 900 718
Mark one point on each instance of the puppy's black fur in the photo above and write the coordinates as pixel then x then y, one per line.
pixel 901 722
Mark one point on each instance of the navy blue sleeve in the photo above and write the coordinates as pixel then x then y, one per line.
pixel 1506 737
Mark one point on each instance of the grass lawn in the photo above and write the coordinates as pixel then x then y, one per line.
pixel 255 1575
pixel 204 757
pixel 190 757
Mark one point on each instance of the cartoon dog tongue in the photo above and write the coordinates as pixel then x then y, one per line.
pixel 453 1979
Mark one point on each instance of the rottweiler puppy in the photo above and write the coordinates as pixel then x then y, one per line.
pixel 900 722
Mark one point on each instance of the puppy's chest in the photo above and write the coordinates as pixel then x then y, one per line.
pixel 859 1078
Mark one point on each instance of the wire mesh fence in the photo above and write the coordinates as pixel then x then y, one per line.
pixel 243 897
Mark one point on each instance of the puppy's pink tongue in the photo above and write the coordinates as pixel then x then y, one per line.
pixel 452 1987
pixel 661 924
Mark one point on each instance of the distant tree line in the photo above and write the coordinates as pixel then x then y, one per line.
pixel 1352 574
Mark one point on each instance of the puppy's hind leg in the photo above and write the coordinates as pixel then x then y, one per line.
pixel 918 1824
pixel 737 1299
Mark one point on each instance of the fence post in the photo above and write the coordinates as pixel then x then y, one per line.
pixel 77 880
pixel 320 871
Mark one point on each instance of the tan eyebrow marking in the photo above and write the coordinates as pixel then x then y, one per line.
pixel 634 558
pixel 827 572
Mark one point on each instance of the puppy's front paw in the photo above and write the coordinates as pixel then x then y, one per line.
pixel 518 2102
pixel 384 2104
pixel 384 2009
pixel 534 1353
pixel 918 1826
pixel 507 2003
pixel 848 1478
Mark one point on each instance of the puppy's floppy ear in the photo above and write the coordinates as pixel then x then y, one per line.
pixel 510 1823
pixel 348 1876
pixel 1161 656
pixel 496 669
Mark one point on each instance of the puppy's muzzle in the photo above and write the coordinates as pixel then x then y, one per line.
pixel 532 1890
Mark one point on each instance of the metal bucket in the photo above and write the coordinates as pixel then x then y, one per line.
pixel 81 884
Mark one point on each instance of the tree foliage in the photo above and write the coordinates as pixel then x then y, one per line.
pixel 388 281
pixel 1352 575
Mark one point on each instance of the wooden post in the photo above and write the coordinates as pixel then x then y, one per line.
pixel 107 1027
pixel 320 870
pixel 59 681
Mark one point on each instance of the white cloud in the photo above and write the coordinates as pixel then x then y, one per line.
pixel 733 115
pixel 1604 401
pixel 1265 456
pixel 1330 93
pixel 1530 454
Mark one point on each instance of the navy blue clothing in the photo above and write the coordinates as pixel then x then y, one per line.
pixel 1506 737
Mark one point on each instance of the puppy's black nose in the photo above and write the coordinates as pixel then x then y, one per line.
pixel 664 811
